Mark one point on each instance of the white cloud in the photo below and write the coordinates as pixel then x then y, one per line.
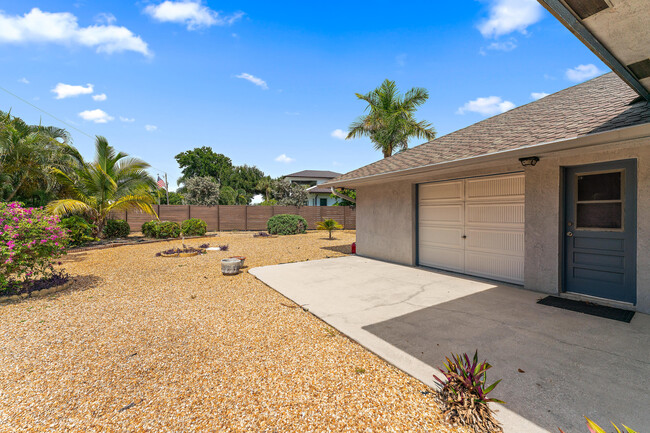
pixel 97 116
pixel 105 18
pixel 23 80
pixel 486 106
pixel 503 46
pixel 99 97
pixel 339 133
pixel 284 158
pixel 253 79
pixel 127 119
pixel 507 16
pixel 67 90
pixel 62 28
pixel 583 72
pixel 193 14
pixel 150 128
pixel 538 95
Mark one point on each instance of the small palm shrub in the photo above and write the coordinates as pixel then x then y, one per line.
pixel 194 227
pixel 116 229
pixel 168 229
pixel 594 428
pixel 149 229
pixel 329 225
pixel 80 231
pixel 464 393
pixel 286 224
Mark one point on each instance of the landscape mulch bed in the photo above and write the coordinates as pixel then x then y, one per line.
pixel 144 343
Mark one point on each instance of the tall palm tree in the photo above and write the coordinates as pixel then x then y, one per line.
pixel 390 122
pixel 265 186
pixel 28 153
pixel 112 182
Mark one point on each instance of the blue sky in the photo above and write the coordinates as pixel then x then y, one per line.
pixel 270 83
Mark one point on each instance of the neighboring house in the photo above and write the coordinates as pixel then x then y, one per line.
pixel 318 196
pixel 553 195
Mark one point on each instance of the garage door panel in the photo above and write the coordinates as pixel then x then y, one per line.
pixel 443 258
pixel 451 237
pixel 496 188
pixel 442 214
pixel 474 226
pixel 435 192
pixel 496 266
pixel 495 241
pixel 500 214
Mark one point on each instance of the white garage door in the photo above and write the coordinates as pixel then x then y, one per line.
pixel 474 226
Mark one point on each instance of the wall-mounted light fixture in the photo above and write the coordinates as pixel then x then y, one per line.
pixel 530 161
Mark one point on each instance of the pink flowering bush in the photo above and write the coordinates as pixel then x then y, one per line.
pixel 30 242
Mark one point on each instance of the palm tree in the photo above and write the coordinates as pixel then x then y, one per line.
pixel 265 186
pixel 27 155
pixel 390 122
pixel 112 182
pixel 329 225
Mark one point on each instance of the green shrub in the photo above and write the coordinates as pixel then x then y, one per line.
pixel 168 229
pixel 286 224
pixel 80 231
pixel 150 229
pixel 116 229
pixel 194 227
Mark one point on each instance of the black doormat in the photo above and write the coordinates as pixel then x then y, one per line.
pixel 588 308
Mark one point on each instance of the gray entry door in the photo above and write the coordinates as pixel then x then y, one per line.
pixel 600 230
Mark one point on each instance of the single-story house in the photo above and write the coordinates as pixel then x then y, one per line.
pixel 312 179
pixel 553 195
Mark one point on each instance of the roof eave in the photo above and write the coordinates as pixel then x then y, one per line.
pixel 607 137
pixel 566 17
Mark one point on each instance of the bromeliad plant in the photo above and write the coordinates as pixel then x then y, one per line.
pixel 594 428
pixel 464 393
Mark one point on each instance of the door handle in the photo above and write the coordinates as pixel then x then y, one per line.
pixel 569 234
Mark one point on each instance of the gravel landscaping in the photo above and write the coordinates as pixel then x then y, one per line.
pixel 170 344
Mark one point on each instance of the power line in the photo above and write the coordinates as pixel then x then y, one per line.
pixel 60 120
pixel 49 114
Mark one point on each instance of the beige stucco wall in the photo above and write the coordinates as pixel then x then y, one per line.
pixel 386 213
pixel 544 209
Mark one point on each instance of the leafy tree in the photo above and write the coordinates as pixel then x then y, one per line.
pixel 289 194
pixel 27 155
pixel 202 190
pixel 203 161
pixel 390 123
pixel 112 182
pixel 228 196
pixel 329 225
pixel 176 198
pixel 342 202
pixel 265 187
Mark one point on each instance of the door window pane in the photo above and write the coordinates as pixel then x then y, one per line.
pixel 600 215
pixel 603 186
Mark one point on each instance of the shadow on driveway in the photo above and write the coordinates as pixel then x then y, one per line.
pixel 573 364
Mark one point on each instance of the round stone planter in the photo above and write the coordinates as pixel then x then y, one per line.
pixel 230 266
pixel 37 293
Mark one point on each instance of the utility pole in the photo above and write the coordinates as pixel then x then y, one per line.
pixel 167 188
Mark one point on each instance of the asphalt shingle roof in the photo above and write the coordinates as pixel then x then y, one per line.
pixel 602 104
pixel 318 174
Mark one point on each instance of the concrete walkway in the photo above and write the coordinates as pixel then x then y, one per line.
pixel 556 365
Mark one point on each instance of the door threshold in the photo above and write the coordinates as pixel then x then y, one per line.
pixel 596 300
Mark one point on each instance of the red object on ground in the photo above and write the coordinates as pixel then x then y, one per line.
pixel 354 248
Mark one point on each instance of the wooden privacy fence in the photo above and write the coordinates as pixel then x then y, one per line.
pixel 224 218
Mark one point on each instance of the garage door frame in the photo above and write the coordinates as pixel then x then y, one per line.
pixel 417 216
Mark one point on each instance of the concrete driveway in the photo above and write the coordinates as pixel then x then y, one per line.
pixel 556 365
